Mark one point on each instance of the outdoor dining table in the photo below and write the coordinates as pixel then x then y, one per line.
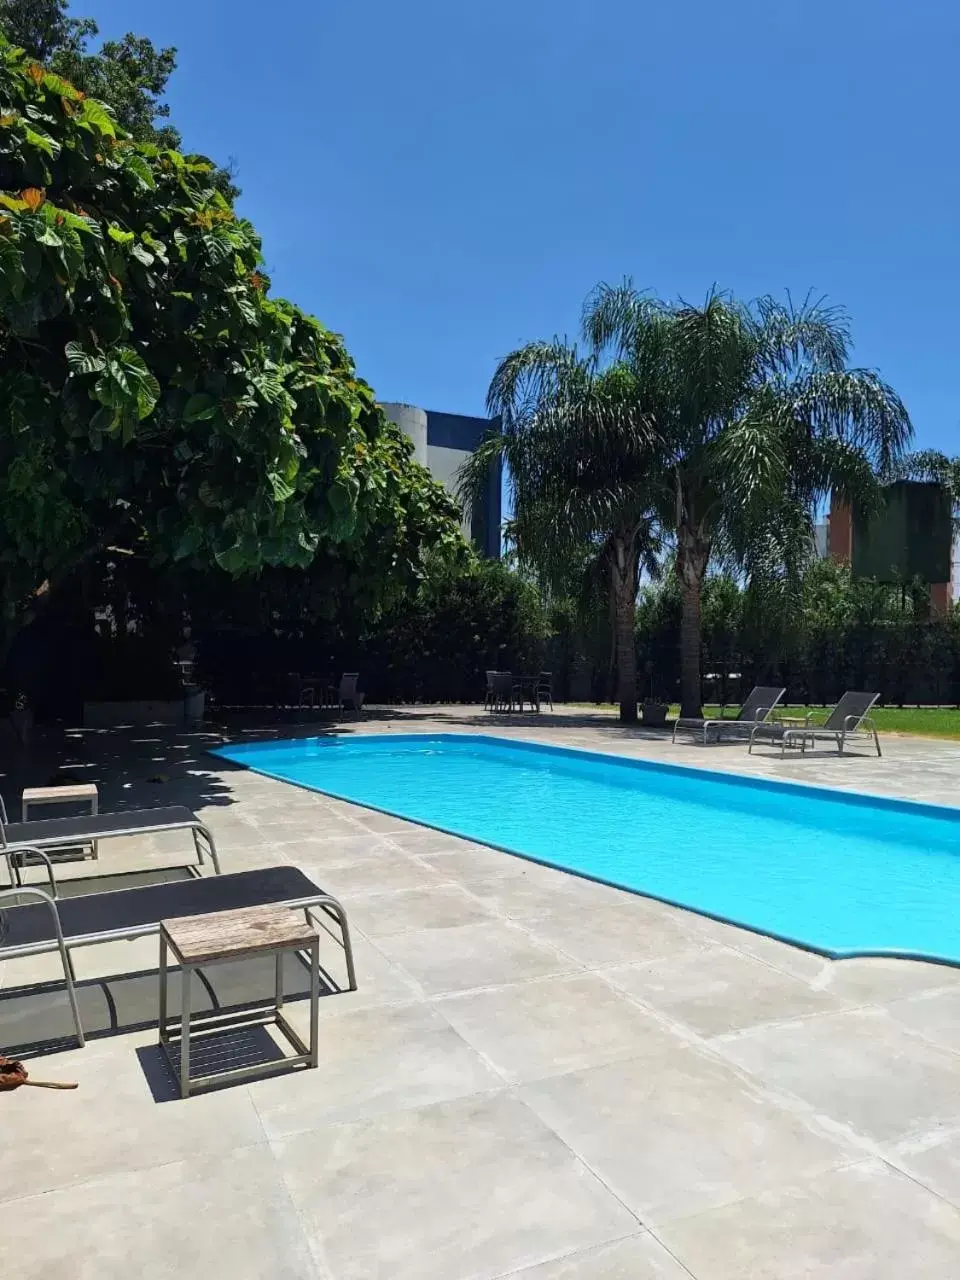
pixel 525 689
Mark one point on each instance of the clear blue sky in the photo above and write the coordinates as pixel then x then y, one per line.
pixel 441 181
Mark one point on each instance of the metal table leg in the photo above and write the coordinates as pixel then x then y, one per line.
pixel 315 1003
pixel 186 972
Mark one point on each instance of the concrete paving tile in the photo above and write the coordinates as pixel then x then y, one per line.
pixel 475 1187
pixel 425 842
pixel 860 1068
pixel 113 1122
pixel 719 990
pixel 201 1217
pixel 380 914
pixel 537 1029
pixel 865 1222
pixel 932 1159
pixel 807 965
pixel 677 1132
pixel 384 823
pixel 469 863
pixel 538 890
pixel 933 1015
pixel 878 980
pixel 340 851
pixel 373 1061
pixel 638 1257
pixel 374 874
pixel 473 955
pixel 602 936
pixel 378 980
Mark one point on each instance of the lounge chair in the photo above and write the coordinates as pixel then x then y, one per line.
pixel 22 838
pixel 348 692
pixel 755 710
pixel 850 718
pixel 48 923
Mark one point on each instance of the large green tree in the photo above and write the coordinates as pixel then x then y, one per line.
pixel 153 395
pixel 130 75
pixel 757 416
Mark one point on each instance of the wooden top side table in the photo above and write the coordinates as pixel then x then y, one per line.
pixel 73 793
pixel 196 941
pixel 81 794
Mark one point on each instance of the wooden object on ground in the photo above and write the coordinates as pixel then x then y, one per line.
pixel 14 1075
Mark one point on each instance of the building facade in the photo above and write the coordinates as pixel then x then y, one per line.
pixel 911 537
pixel 442 442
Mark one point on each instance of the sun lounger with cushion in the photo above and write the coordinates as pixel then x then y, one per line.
pixel 755 710
pixel 56 833
pixel 850 718
pixel 33 921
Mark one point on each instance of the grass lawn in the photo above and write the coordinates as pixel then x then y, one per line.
pixel 930 722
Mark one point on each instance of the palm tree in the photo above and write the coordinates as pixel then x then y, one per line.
pixel 757 418
pixel 580 452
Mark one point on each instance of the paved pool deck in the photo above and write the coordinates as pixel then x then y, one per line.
pixel 539 1077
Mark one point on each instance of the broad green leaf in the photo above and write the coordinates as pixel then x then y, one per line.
pixel 81 361
pixel 189 543
pixel 142 255
pixel 96 114
pixel 199 408
pixel 63 88
pixel 281 489
pixel 42 141
pixel 137 165
pixel 120 236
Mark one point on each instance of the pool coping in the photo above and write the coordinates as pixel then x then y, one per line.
pixel 769 784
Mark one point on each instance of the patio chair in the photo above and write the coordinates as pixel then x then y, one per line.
pixel 22 839
pixel 756 709
pixel 45 923
pixel 348 692
pixel 488 695
pixel 503 691
pixel 545 687
pixel 850 718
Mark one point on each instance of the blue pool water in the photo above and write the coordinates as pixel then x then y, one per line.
pixel 843 874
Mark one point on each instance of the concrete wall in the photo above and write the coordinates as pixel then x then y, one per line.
pixel 413 423
pixel 442 442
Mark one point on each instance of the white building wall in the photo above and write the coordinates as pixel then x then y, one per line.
pixel 413 423
pixel 444 464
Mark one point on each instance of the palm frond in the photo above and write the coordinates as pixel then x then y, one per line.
pixel 617 319
pixel 855 406
pixel 813 334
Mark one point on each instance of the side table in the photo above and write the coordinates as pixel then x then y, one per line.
pixel 81 794
pixel 197 941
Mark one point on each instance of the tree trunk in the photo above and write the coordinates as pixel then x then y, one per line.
pixel 624 571
pixel 692 556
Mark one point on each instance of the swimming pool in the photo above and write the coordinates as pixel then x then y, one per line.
pixel 844 874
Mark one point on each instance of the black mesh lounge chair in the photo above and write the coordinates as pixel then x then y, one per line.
pixel 63 833
pixel 756 710
pixel 850 718
pixel 33 921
